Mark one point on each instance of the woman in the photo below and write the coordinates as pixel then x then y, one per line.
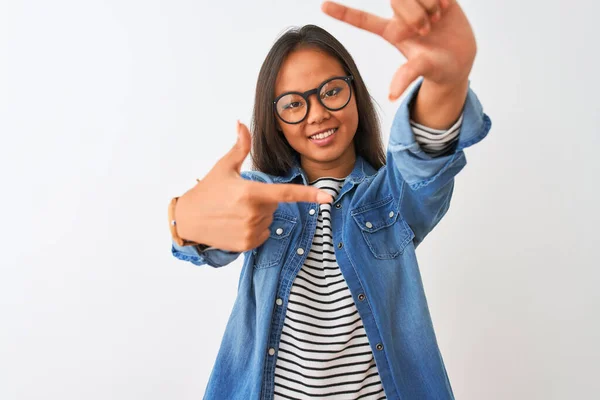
pixel 330 302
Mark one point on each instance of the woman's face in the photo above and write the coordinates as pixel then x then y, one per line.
pixel 303 70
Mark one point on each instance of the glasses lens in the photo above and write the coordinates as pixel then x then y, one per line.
pixel 335 94
pixel 291 108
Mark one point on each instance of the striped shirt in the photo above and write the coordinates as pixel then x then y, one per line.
pixel 437 142
pixel 324 351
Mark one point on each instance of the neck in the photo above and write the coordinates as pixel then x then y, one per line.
pixel 341 167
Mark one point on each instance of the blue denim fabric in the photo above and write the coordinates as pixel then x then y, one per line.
pixel 403 201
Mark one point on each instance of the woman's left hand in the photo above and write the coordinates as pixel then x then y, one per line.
pixel 441 47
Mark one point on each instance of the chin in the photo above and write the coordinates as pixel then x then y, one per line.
pixel 326 155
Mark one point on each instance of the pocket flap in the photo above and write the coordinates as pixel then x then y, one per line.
pixel 282 226
pixel 270 253
pixel 377 215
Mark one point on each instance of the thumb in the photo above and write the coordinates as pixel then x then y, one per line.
pixel 238 153
pixel 406 74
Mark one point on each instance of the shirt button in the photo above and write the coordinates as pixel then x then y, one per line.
pixel 391 214
pixel 361 297
pixel 279 302
pixel 338 205
pixel 340 245
pixel 279 231
pixel 312 211
pixel 300 251
pixel 272 351
pixel 369 225
pixel 379 347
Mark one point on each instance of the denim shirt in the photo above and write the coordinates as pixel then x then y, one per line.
pixel 379 218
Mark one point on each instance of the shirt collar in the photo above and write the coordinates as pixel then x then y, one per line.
pixel 361 169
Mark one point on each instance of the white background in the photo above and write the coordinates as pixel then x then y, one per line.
pixel 110 108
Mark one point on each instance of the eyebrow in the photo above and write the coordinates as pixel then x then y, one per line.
pixel 302 91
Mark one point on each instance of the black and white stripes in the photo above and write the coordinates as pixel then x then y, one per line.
pixel 324 351
pixel 436 142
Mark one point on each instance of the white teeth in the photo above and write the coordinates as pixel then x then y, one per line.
pixel 323 135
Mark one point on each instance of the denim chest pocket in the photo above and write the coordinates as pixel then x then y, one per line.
pixel 386 233
pixel 271 252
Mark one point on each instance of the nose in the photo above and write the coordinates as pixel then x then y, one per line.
pixel 316 113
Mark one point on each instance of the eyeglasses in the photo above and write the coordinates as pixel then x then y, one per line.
pixel 333 94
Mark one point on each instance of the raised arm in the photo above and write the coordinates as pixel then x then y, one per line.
pixel 439 46
pixel 227 213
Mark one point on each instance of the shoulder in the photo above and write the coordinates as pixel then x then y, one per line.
pixel 378 184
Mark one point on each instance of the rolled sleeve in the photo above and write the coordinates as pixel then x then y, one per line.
pixel 425 183
pixel 212 256
pixel 416 166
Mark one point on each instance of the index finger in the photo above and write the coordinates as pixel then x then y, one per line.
pixel 289 193
pixel 393 31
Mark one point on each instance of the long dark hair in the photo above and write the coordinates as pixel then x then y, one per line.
pixel 271 153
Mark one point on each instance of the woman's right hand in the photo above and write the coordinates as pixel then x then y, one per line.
pixel 231 213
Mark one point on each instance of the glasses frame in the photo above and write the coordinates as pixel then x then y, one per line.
pixel 305 95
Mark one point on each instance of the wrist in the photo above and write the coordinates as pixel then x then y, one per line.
pixel 175 220
pixel 439 106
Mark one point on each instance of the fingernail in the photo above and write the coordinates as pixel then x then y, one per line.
pixel 444 3
pixel 324 197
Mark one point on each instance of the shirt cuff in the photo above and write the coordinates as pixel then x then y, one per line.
pixel 436 142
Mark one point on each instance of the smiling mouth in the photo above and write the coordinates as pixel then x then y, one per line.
pixel 323 135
